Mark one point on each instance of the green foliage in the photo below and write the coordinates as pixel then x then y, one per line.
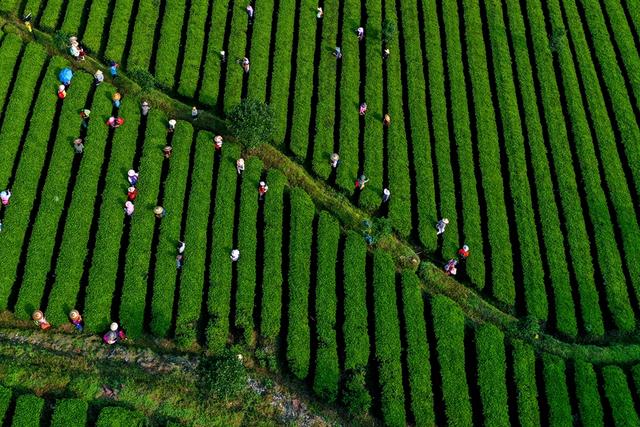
pixel 9 50
pixel 448 323
pixel 114 416
pixel 223 376
pixel 355 395
pixel 28 411
pixel 251 122
pixel 69 412
pixel 144 78
pixel 619 396
pixel 555 387
pixel 492 375
pixel 236 51
pixel 169 43
pixel 143 35
pixel 5 401
pixel 589 405
pixel 211 71
pixel 298 338
pixel 260 51
pixel 524 372
pixel 121 19
pixel 387 333
pixel 389 29
pixel 193 49
pixel 327 373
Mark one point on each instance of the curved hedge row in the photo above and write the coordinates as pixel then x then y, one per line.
pixel 301 230
pixel 259 55
pixel 524 373
pixel 556 391
pixel 9 50
pixel 193 278
pixel 120 23
pixel 192 64
pixel 247 244
pixel 387 333
pixel 211 67
pixel 143 35
pixel 235 51
pixel 327 371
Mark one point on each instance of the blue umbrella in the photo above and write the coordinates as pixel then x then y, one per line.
pixel 65 75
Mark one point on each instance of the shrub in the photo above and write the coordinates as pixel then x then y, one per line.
pixel 619 396
pixel 555 386
pixel 589 405
pixel 223 376
pixel 524 372
pixel 251 122
pixel 355 395
pixel 69 412
pixel 492 375
pixel 211 71
pixel 28 411
pixel 191 65
pixel 114 416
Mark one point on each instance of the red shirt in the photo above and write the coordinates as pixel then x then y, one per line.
pixel 463 252
pixel 132 194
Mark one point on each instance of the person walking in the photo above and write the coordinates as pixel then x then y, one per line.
pixel 223 56
pixel 113 69
pixel 360 32
pixel 78 146
pixel 167 151
pixel 114 335
pixel 84 114
pixel 386 121
pixel 385 53
pixel 194 113
pixel 76 319
pixel 39 319
pixel 245 64
pixel 179 261
pixel 441 225
pixel 463 253
pixel 132 193
pixel 363 109
pixel 337 52
pixel 250 13
pixel 320 13
pixel 132 177
pixel 5 197
pixel 81 53
pixel 361 182
pixel 145 107
pixel 181 247
pixel 159 212
pixel 217 144
pixel 335 160
pixel 451 267
pixel 62 93
pixel 235 255
pixel 115 122
pixel 240 166
pixel 172 125
pixel 386 195
pixel 129 208
pixel 262 189
pixel 116 99
pixel 98 77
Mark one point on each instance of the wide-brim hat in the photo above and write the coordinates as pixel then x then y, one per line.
pixel 114 326
pixel 37 315
pixel 131 189
pixel 158 210
pixel 131 172
pixel 74 314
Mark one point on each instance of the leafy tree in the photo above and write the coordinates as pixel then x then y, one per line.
pixel 252 122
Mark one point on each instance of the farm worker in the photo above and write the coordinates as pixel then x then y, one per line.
pixel 181 247
pixel 387 120
pixel 320 13
pixel 98 77
pixel 360 182
pixel 386 194
pixel 262 189
pixel 145 107
pixel 172 125
pixel 76 319
pixel 240 166
pixel 360 32
pixel 335 159
pixel 84 114
pixel 111 121
pixel 223 56
pixel 65 76
pixel 62 93
pixel 159 212
pixel 337 52
pixel 450 267
pixel 81 53
pixel 194 113
pixel 250 12
pixel 74 51
pixel 38 318
pixel 245 64
pixel 4 197
pixel 235 255
pixel 363 108
pixel 115 122
pixel 78 146
pixel 217 144
pixel 114 335
pixel 116 99
pixel 385 53
pixel 463 253
pixel 113 69
pixel 132 193
pixel 441 225
pixel 27 22
pixel 166 151
pixel 179 261
pixel 129 208
pixel 132 177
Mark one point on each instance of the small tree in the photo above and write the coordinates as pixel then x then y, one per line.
pixel 222 376
pixel 388 30
pixel 251 122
